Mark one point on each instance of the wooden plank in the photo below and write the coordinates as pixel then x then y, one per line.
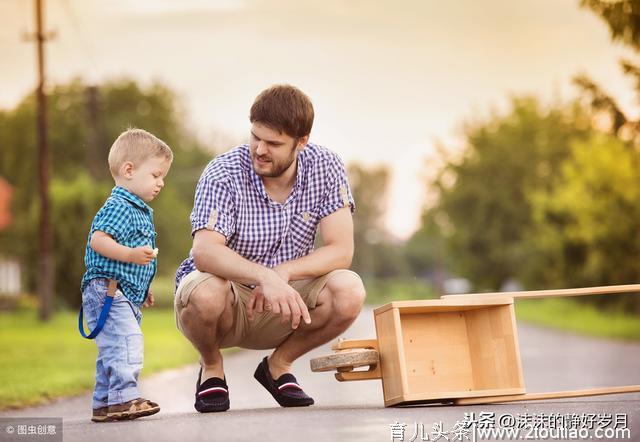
pixel 450 396
pixel 344 344
pixel 436 353
pixel 373 373
pixel 550 395
pixel 358 357
pixel 602 290
pixel 465 302
pixel 402 357
pixel 493 348
pixel 390 353
pixel 518 358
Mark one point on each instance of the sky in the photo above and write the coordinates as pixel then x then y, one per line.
pixel 389 80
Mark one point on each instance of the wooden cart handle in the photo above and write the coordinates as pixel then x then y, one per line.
pixel 546 396
pixel 603 290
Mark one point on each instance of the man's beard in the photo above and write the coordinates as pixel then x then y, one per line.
pixel 277 168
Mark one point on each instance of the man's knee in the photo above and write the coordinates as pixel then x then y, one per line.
pixel 208 301
pixel 347 295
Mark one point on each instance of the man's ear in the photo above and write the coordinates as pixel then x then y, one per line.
pixel 126 170
pixel 302 142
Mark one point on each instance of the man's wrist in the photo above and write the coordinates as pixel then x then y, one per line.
pixel 263 274
pixel 285 270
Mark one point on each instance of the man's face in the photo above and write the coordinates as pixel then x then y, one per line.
pixel 272 152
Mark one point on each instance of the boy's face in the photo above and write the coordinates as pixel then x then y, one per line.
pixel 147 179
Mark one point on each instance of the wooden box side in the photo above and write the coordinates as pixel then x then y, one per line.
pixel 493 349
pixel 392 365
pixel 437 353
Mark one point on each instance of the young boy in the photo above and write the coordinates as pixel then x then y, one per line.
pixel 121 259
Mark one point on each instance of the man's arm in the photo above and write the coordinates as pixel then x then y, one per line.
pixel 211 255
pixel 336 252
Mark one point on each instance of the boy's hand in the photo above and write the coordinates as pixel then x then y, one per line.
pixel 149 301
pixel 142 255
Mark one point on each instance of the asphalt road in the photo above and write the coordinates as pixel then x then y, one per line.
pixel 354 411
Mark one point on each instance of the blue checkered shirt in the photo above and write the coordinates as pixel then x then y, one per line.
pixel 129 220
pixel 231 199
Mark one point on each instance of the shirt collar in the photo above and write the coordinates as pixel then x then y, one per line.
pixel 300 170
pixel 259 185
pixel 132 198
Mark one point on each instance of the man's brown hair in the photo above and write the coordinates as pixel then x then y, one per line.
pixel 284 108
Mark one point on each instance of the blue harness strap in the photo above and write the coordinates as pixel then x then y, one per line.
pixel 111 290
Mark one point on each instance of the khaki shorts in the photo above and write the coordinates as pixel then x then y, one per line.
pixel 266 330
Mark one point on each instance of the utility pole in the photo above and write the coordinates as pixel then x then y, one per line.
pixel 46 275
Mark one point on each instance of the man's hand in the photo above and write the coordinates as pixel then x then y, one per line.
pixel 149 301
pixel 142 255
pixel 257 297
pixel 275 294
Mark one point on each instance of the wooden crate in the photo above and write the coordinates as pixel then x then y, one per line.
pixel 435 350
pixel 460 349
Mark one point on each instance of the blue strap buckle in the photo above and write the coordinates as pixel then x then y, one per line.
pixel 111 290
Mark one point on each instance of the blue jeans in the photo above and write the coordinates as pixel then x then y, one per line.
pixel 120 345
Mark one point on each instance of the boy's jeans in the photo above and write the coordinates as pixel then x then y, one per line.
pixel 120 345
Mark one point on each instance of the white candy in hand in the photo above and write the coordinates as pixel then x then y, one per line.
pixel 155 252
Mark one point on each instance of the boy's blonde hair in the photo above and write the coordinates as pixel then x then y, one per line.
pixel 136 146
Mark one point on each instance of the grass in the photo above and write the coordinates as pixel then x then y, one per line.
pixel 41 361
pixel 382 291
pixel 570 315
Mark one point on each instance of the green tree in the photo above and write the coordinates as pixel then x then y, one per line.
pixel 483 210
pixel 375 254
pixel 74 203
pixel 587 228
pixel 622 17
pixel 623 20
pixel 75 194
pixel 426 253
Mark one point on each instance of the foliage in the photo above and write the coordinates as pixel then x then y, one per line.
pixel 74 204
pixel 383 290
pixel 483 210
pixel 541 197
pixel 375 253
pixel 622 17
pixel 588 226
pixel 80 138
pixel 623 20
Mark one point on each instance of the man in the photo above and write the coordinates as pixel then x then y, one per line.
pixel 253 278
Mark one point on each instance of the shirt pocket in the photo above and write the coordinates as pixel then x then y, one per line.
pixel 142 235
pixel 303 231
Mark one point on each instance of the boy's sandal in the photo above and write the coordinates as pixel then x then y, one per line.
pixel 132 410
pixel 212 395
pixel 100 414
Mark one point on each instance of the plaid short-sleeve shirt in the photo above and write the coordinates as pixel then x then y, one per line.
pixel 129 220
pixel 231 199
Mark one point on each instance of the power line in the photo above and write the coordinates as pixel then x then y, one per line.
pixel 85 42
